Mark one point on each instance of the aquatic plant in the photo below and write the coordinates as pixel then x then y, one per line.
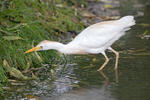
pixel 26 22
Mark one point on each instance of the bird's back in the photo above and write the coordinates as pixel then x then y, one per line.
pixel 103 34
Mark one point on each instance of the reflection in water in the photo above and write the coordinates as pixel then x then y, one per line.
pixel 116 76
pixel 65 79
pixel 63 88
pixel 95 93
pixel 63 84
pixel 107 79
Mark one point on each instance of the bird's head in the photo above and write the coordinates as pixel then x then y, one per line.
pixel 44 45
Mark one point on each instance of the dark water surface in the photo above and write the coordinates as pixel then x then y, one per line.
pixel 79 80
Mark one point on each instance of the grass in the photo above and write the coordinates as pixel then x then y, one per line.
pixel 23 22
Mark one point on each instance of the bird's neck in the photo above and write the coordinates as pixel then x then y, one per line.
pixel 66 48
pixel 56 46
pixel 62 48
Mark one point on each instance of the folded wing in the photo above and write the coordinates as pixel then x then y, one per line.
pixel 103 33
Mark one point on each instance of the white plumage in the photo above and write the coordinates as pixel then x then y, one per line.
pixel 92 40
pixel 98 37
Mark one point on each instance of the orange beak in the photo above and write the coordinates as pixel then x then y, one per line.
pixel 33 49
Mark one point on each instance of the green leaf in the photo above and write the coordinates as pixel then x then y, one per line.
pixel 13 71
pixel 145 32
pixel 12 38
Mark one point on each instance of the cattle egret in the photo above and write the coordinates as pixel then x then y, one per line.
pixel 94 39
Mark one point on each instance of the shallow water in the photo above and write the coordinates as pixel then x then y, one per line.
pixel 79 80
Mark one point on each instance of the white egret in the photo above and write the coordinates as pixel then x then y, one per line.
pixel 94 39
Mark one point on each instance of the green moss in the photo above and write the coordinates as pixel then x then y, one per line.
pixel 32 21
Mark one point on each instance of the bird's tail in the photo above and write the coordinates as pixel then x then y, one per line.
pixel 127 21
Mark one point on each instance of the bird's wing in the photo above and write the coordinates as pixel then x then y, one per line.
pixel 97 35
pixel 103 34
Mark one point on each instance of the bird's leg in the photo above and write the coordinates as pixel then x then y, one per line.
pixel 117 56
pixel 106 61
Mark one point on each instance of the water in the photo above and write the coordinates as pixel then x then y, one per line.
pixel 79 80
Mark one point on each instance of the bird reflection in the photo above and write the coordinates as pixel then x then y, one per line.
pixel 116 76
pixel 107 78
